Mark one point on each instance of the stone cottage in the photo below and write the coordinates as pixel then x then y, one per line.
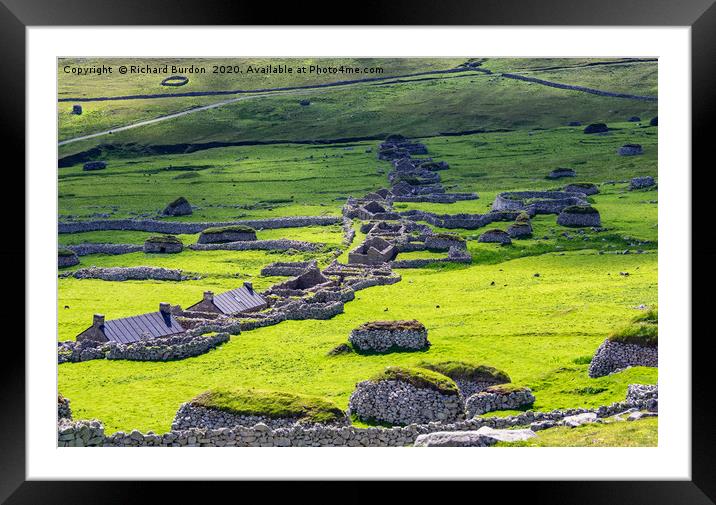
pixel 133 329
pixel 242 299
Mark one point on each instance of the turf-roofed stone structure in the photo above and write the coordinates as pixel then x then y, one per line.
pixel 496 237
pixel 178 207
pixel 224 234
pixel 521 228
pixel 636 344
pixel 587 188
pixel 133 329
pixel 499 397
pixel 596 128
pixel 373 251
pixel 470 378
pixel 537 202
pixel 630 150
pixel 641 183
pixel 390 336
pixel 163 244
pixel 66 258
pixel 94 165
pixel 579 216
pixel 403 395
pixel 558 173
pixel 235 301
pixel 232 407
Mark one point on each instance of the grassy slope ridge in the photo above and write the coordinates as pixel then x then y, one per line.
pixel 414 107
pixel 541 331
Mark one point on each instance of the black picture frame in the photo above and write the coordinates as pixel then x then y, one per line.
pixel 700 15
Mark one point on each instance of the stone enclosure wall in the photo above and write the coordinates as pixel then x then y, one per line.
pixel 260 435
pixel 264 245
pixel 127 273
pixel 485 401
pixel 85 249
pixel 170 348
pixel 177 228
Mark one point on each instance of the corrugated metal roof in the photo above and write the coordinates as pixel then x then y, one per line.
pixel 132 329
pixel 238 300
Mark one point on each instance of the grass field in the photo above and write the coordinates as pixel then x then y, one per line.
pixel 541 330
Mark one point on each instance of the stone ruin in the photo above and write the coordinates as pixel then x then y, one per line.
pixel 630 150
pixel 374 251
pixel 495 236
pixel 227 234
pixel 641 183
pixel 311 279
pixel 634 119
pixel 577 216
pixel 444 242
pixel 389 336
pixel 178 207
pixel 558 173
pixel 537 202
pixel 161 244
pixel 94 165
pixel 287 269
pixel 586 188
pixel 397 146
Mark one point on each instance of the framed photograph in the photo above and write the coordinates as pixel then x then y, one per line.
pixel 439 244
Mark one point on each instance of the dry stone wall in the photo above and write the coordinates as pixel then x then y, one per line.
pixel 485 401
pixel 85 249
pixel 263 245
pixel 175 227
pixel 127 273
pixel 611 357
pixel 170 348
pixel 320 436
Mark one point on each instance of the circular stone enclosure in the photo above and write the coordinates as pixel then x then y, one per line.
pixel 175 81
